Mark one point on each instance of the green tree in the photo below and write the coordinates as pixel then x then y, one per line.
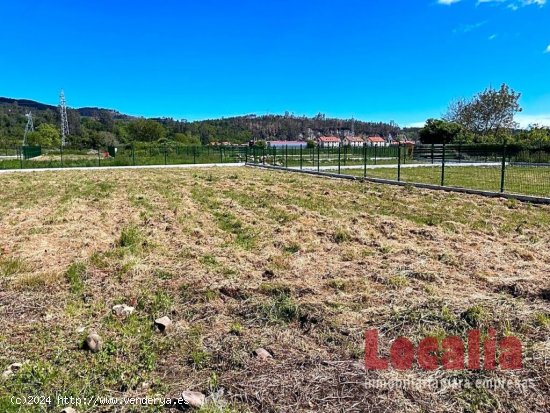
pixel 438 131
pixel 489 115
pixel 106 120
pixel 74 122
pixel 187 139
pixel 121 132
pixel 45 135
pixel 107 139
pixel 537 136
pixel 146 130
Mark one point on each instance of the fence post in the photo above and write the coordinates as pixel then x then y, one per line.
pixel 133 155
pixel 98 157
pixel 318 158
pixel 375 146
pixel 20 153
pixel 399 162
pixel 286 156
pixel 460 152
pixel 339 150
pixel 432 153
pixel 194 155
pixel 364 159
pixel 301 157
pixel 61 155
pixel 443 166
pixel 503 168
pixel 345 153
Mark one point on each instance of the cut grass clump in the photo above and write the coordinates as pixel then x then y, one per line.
pixel 236 328
pixel 474 316
pixel 199 357
pixel 12 266
pixel 163 274
pixel 209 260
pixel 281 309
pixel 210 295
pixel 338 284
pixel 75 277
pixel 341 235
pixel 131 239
pixel 292 248
pixel 275 289
pixel 478 400
pixel 158 303
pixel 543 320
pixel 398 281
pixel 227 222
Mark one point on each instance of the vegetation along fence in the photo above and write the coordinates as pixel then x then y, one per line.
pixel 123 155
pixel 513 169
pixel 498 168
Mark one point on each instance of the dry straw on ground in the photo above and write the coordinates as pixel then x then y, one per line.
pixel 241 259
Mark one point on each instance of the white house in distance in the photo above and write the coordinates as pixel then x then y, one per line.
pixel 376 141
pixel 328 142
pixel 353 141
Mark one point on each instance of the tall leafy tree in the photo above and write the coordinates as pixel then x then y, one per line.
pixel 146 130
pixel 45 135
pixel 438 131
pixel 489 115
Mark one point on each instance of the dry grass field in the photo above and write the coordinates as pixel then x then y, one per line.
pixel 243 258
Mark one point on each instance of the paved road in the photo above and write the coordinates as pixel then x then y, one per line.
pixel 394 166
pixel 102 168
pixel 238 164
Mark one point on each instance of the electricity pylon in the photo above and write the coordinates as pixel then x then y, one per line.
pixel 28 128
pixel 64 120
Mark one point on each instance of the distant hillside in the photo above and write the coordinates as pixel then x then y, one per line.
pixel 91 126
pixel 37 106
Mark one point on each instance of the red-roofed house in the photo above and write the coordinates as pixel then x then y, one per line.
pixel 353 141
pixel 328 142
pixel 376 141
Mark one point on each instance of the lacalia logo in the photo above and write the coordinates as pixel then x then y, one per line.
pixel 451 353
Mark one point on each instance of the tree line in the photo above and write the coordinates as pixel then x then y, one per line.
pixel 487 117
pixel 94 127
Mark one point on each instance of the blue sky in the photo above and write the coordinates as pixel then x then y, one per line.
pixel 373 60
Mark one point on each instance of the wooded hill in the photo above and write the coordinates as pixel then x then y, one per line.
pixel 90 126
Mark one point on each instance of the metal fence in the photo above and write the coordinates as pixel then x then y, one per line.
pixel 122 155
pixel 513 169
pixel 498 168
